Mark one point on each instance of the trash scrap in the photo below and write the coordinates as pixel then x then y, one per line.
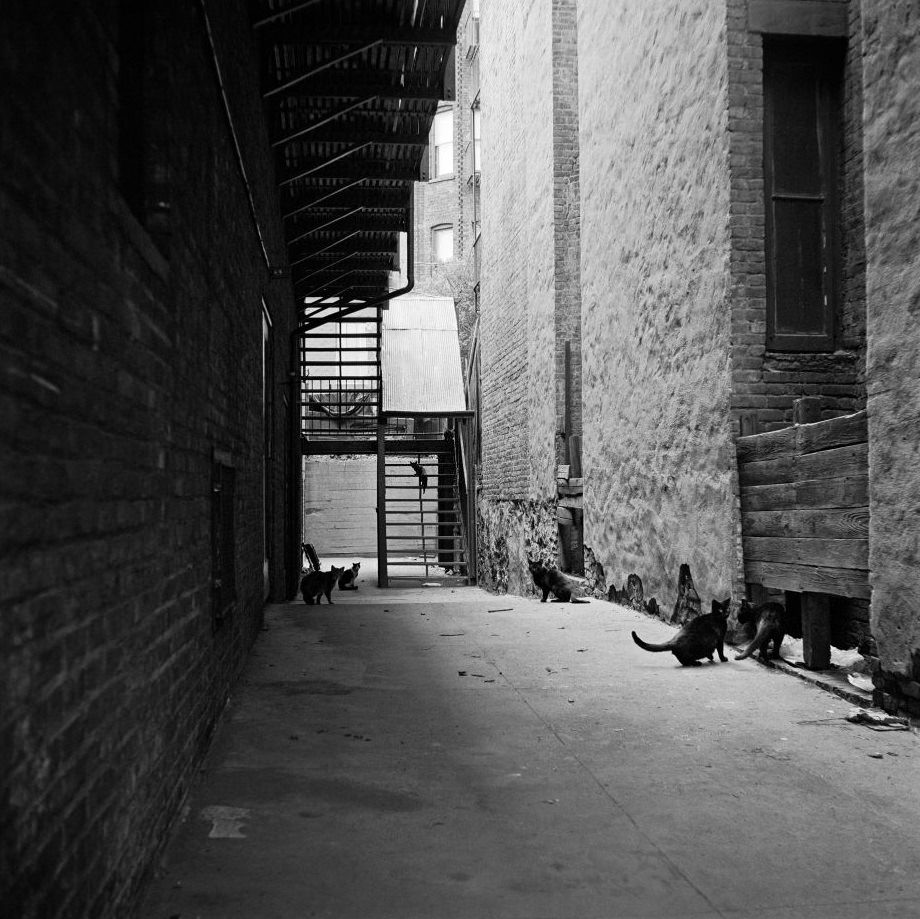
pixel 860 681
pixel 877 721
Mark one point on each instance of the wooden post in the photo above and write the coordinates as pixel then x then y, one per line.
pixel 382 579
pixel 816 631
pixel 807 409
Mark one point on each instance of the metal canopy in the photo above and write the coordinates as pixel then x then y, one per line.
pixel 350 89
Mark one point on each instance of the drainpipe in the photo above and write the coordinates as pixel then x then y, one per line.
pixel 296 394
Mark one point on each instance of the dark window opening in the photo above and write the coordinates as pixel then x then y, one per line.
pixel 223 542
pixel 802 82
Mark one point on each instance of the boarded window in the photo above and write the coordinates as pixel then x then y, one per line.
pixel 801 92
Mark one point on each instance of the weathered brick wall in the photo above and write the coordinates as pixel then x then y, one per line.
pixel 892 151
pixel 124 365
pixel 566 219
pixel 518 298
pixel 655 247
pixel 766 383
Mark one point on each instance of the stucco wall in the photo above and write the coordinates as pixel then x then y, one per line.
pixel 658 455
pixel 892 154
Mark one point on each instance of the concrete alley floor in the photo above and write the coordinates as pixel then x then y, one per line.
pixel 430 753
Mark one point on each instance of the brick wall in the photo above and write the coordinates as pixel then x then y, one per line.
pixel 892 150
pixel 655 250
pixel 566 218
pixel 766 383
pixel 131 350
pixel 518 302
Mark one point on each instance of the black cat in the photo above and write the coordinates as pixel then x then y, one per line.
pixel 700 637
pixel 348 577
pixel 316 583
pixel 419 470
pixel 769 619
pixel 551 580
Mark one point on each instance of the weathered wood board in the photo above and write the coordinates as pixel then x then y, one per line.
pixel 805 507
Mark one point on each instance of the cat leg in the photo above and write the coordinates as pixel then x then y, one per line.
pixel 721 649
pixel 545 594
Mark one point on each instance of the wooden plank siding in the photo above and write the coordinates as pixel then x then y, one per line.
pixel 805 507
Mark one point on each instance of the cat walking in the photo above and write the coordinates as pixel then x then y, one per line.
pixel 316 584
pixel 698 638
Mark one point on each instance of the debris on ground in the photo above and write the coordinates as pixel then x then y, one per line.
pixel 860 681
pixel 878 721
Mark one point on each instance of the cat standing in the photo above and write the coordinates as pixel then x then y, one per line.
pixel 700 637
pixel 551 580
pixel 770 622
pixel 314 584
pixel 348 578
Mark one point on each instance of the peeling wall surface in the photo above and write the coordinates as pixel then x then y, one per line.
pixel 658 454
pixel 892 154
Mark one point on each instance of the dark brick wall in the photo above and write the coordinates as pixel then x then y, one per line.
pixel 131 350
pixel 766 383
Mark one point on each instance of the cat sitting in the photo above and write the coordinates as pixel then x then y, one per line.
pixel 349 577
pixel 314 584
pixel 551 580
pixel 769 619
pixel 700 637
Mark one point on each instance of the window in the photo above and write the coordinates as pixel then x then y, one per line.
pixel 443 132
pixel 477 137
pixel 801 86
pixel 442 243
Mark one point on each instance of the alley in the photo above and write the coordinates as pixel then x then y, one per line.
pixel 444 752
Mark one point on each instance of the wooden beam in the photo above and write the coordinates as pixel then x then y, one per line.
pixel 817 551
pixel 827 523
pixel 816 630
pixel 839 491
pixel 834 432
pixel 840 582
pixel 833 463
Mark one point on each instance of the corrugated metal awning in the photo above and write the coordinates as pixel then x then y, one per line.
pixel 420 358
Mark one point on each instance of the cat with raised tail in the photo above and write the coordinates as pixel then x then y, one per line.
pixel 698 638
pixel 316 584
pixel 348 578
pixel 769 619
pixel 552 581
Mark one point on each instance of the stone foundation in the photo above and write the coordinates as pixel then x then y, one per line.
pixel 508 532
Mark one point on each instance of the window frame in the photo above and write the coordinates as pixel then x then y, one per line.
pixel 824 58
pixel 447 116
pixel 439 228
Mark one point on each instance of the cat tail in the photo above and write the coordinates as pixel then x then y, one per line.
pixel 667 646
pixel 574 600
pixel 756 643
pixel 760 637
